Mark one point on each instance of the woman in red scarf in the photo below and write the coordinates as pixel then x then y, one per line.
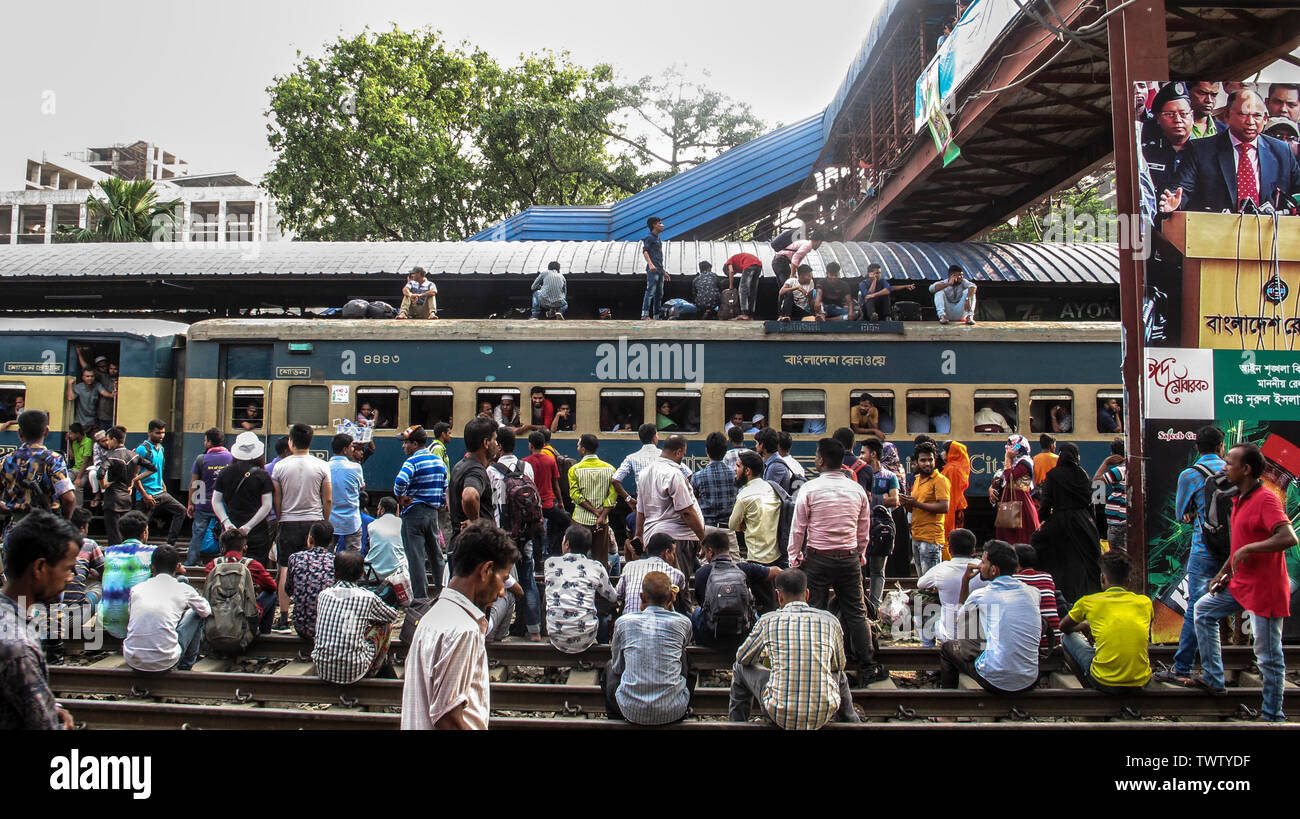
pixel 956 469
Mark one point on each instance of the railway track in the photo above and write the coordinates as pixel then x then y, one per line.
pixel 510 654
pixel 274 691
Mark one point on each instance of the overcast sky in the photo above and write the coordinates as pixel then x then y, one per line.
pixel 191 76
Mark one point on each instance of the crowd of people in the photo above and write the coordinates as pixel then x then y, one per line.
pixel 740 555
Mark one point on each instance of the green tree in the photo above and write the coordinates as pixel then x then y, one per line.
pixel 398 136
pixel 688 123
pixel 1082 199
pixel 129 212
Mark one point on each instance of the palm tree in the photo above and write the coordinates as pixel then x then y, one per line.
pixel 129 212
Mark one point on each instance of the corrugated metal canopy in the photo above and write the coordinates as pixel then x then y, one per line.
pixel 1085 263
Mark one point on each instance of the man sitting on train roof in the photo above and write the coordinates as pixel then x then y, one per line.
pixel 836 294
pixel 419 297
pixel 799 297
pixel 954 297
pixel 550 293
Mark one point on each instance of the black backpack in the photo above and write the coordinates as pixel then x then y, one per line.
pixel 521 508
pixel 727 606
pixel 1216 509
pixel 355 309
pixel 783 240
pixel 785 522
pixel 882 533
pixel 414 612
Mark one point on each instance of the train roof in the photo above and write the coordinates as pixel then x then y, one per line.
pixel 594 330
pixel 141 328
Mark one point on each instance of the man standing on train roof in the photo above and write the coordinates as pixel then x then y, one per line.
pixel 652 249
pixel 954 297
pixel 750 268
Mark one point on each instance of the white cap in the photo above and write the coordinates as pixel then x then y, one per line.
pixel 248 447
pixel 757 417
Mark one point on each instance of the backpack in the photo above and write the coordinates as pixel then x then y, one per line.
pixel 380 310
pixel 856 471
pixel 355 309
pixel 783 240
pixel 786 520
pixel 411 620
pixel 881 543
pixel 230 592
pixel 730 306
pixel 1216 509
pixel 727 607
pixel 521 509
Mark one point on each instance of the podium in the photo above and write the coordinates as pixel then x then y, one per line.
pixel 1240 282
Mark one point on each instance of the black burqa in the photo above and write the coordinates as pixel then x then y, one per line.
pixel 1068 546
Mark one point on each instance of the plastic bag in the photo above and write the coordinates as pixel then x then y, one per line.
pixel 895 609
pixel 401 583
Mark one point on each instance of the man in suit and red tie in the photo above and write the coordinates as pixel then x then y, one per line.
pixel 1221 172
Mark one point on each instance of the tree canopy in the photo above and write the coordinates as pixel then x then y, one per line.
pixel 401 136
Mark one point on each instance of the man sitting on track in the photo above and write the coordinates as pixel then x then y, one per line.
pixel 1119 622
pixel 167 617
pixel 353 627
pixel 649 680
pixel 806 685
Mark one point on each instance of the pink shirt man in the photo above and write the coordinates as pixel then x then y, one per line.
pixel 834 514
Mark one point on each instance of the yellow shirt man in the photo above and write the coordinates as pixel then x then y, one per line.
pixel 1120 621
pixel 928 526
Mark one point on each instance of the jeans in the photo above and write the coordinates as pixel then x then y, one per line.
pixel 420 540
pixel 842 571
pixel 748 682
pixel 539 305
pixel 876 569
pixel 353 541
pixel 1076 645
pixel 749 289
pixel 881 305
pixel 203 520
pixel 954 312
pixel 835 311
pixel 1212 608
pixel 791 310
pixel 189 634
pixel 1116 535
pixel 927 556
pixel 266 603
pixel 165 504
pixel 1201 569
pixel 652 302
pixel 528 582
pixel 557 521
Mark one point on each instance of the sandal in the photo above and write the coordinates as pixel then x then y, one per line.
pixel 1199 682
pixel 1173 678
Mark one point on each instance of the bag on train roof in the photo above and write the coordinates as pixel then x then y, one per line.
pixel 230 592
pixel 355 309
pixel 380 310
pixel 783 240
pixel 729 307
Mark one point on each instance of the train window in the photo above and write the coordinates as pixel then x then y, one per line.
pixel 500 404
pixel 309 404
pixel 996 411
pixel 563 401
pixel 882 401
pixel 1110 411
pixel 13 400
pixel 929 411
pixel 247 408
pixel 621 410
pixel 743 406
pixel 803 411
pixel 677 410
pixel 377 405
pixel 248 362
pixel 1051 411
pixel 429 405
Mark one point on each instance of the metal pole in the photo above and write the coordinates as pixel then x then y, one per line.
pixel 1138 51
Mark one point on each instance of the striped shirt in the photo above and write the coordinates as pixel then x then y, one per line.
pixel 1116 492
pixel 422 478
pixel 634 464
pixel 834 513
pixel 590 480
pixel 715 486
pixel 1047 599
pixel 345 613
pixel 648 654
pixel 628 591
pixel 805 647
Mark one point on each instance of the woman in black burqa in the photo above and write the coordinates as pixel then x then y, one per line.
pixel 1068 546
